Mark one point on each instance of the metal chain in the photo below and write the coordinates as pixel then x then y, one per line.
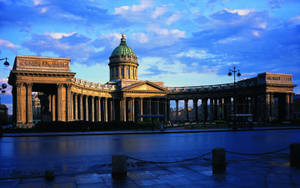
pixel 168 162
pixel 265 153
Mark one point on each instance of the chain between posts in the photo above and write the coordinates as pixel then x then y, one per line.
pixel 257 154
pixel 169 162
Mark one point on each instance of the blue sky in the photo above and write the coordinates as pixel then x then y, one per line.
pixel 180 42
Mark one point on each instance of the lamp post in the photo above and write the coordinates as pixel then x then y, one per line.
pixel 236 73
pixel 6 63
pixel 3 86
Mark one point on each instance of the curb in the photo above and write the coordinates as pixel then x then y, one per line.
pixel 137 132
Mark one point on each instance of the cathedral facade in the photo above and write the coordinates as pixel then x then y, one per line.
pixel 267 97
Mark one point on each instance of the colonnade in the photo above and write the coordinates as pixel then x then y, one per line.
pixel 267 107
pixel 66 105
pixel 105 109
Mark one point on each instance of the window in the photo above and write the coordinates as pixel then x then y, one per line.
pixel 128 71
pixel 122 72
pixel 117 71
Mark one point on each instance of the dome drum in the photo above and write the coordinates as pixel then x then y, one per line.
pixel 123 62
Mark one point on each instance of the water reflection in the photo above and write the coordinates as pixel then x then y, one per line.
pixel 71 149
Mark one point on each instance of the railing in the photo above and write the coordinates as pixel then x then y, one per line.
pixel 240 84
pixel 95 85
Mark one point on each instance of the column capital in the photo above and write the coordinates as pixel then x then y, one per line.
pixel 19 84
pixel 29 84
pixel 60 85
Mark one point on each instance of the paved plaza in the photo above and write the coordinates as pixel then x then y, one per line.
pixel 267 171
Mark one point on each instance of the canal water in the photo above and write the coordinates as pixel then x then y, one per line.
pixel 80 153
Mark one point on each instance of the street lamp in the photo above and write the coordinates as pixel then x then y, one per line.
pixel 235 72
pixel 6 63
pixel 3 86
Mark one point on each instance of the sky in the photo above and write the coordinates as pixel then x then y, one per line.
pixel 180 42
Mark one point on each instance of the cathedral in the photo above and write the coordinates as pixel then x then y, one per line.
pixel 267 97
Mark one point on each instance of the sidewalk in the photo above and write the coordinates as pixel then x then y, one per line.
pixel 165 131
pixel 264 171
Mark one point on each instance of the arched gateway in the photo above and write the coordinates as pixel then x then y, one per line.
pixel 63 97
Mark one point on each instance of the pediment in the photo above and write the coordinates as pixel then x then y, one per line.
pixel 144 87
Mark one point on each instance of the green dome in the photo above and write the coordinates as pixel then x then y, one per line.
pixel 123 49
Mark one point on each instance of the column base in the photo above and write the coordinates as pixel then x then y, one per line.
pixel 24 125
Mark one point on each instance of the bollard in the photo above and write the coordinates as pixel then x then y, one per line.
pixel 295 155
pixel 119 166
pixel 49 175
pixel 219 160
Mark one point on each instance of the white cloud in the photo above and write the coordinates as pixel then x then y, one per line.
pixel 44 10
pixel 37 2
pixel 159 11
pixel 98 72
pixel 262 25
pixel 59 35
pixel 255 33
pixel 134 8
pixel 173 33
pixel 195 53
pixel 294 20
pixel 173 18
pixel 140 37
pixel 113 39
pixel 8 44
pixel 176 74
pixel 241 12
pixel 229 40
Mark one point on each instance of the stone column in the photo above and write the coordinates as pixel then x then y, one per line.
pixel 215 109
pixel 81 107
pixel 53 108
pixel 110 110
pixel 69 102
pixel 61 102
pixel 150 106
pixel 128 109
pixel 167 109
pixel 287 106
pixel 176 110
pixel 93 108
pixel 105 110
pixel 186 108
pixel 291 106
pixel 21 104
pixel 211 108
pixel 222 103
pixel 76 106
pixel 267 107
pixel 133 109
pixel 157 106
pixel 227 108
pixel 195 108
pixel 113 110
pixel 98 109
pixel 272 111
pixel 86 98
pixel 29 104
pixel 141 108
pixel 254 107
pixel 205 110
pixel 123 109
